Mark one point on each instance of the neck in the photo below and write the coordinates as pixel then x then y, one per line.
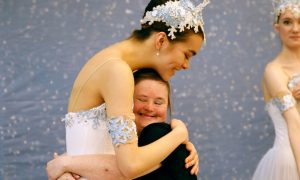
pixel 137 54
pixel 290 53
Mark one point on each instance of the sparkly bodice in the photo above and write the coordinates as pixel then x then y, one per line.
pixel 92 117
pixel 279 161
pixel 87 132
pixel 273 109
pixel 294 81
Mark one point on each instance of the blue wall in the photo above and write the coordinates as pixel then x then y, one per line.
pixel 43 44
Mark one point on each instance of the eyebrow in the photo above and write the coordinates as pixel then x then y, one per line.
pixel 287 18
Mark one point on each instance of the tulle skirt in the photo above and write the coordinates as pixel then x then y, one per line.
pixel 277 164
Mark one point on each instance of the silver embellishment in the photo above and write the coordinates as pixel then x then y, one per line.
pixel 122 130
pixel 294 81
pixel 281 5
pixel 178 15
pixel 284 103
pixel 93 116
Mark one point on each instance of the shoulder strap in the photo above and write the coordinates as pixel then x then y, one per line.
pixel 89 77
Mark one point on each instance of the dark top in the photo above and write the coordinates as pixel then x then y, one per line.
pixel 173 167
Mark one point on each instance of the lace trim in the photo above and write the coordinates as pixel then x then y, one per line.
pixel 94 116
pixel 284 103
pixel 122 130
pixel 294 81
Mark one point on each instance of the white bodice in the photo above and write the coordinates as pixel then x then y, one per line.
pixel 280 125
pixel 87 132
pixel 281 131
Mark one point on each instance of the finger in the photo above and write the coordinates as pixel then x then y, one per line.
pixel 76 176
pixel 195 169
pixel 192 163
pixel 193 153
pixel 192 156
pixel 55 155
pixel 66 176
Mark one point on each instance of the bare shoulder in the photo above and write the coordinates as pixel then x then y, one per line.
pixel 274 72
pixel 117 74
pixel 275 79
pixel 117 69
pixel 272 68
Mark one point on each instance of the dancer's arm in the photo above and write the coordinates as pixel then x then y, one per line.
pixel 132 160
pixel 103 166
pixel 88 166
pixel 276 83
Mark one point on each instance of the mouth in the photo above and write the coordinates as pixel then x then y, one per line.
pixel 295 37
pixel 147 115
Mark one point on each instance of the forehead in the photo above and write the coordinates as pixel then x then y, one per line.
pixel 151 86
pixel 192 42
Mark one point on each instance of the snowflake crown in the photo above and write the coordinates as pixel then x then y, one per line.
pixel 281 5
pixel 178 15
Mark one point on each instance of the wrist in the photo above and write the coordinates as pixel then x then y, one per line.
pixel 66 161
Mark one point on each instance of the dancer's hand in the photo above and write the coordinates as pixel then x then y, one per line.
pixel 76 176
pixel 56 167
pixel 66 176
pixel 296 91
pixel 180 126
pixel 192 159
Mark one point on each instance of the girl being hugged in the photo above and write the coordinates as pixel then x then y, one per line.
pixel 281 89
pixel 101 119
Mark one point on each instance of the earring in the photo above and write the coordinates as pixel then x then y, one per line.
pixel 157 53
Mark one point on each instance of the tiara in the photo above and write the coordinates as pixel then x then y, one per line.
pixel 281 5
pixel 178 15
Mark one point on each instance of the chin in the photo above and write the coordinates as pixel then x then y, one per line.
pixel 295 45
pixel 166 77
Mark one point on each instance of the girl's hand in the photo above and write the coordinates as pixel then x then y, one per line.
pixel 192 159
pixel 56 167
pixel 180 126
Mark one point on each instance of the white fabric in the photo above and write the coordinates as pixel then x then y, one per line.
pixel 87 132
pixel 279 162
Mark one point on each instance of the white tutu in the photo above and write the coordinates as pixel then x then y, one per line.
pixel 279 162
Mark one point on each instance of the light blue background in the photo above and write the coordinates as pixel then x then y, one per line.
pixel 43 44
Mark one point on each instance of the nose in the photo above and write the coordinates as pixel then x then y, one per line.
pixel 186 65
pixel 296 27
pixel 149 106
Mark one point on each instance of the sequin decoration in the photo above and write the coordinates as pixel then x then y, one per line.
pixel 122 130
pixel 92 117
pixel 281 5
pixel 178 15
pixel 294 81
pixel 285 102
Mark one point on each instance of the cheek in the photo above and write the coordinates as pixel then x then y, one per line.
pixel 162 113
pixel 137 107
pixel 173 55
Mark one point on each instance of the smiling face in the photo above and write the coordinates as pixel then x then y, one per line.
pixel 288 28
pixel 175 56
pixel 150 102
